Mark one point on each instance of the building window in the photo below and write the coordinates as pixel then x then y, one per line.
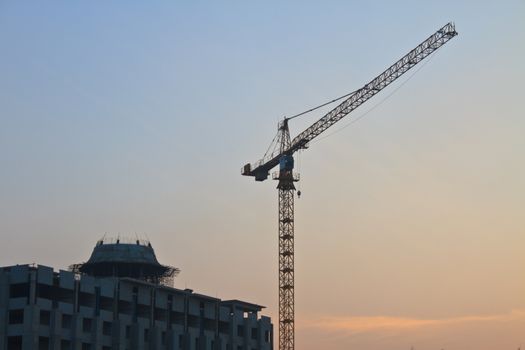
pixel 45 317
pixel 106 348
pixel 146 335
pixel 224 327
pixel 240 331
pixel 14 343
pixel 66 321
pixel 163 338
pixel 181 341
pixel 19 290
pixel 254 333
pixel 267 336
pixel 44 291
pixel 16 316
pixel 86 346
pixel 87 324
pixel 128 331
pixel 65 344
pixel 43 343
pixel 106 328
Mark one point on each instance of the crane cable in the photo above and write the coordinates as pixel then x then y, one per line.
pixel 379 103
pixel 270 149
pixel 299 171
pixel 353 92
pixel 358 118
pixel 322 105
pixel 305 112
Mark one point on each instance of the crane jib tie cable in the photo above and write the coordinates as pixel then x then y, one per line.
pixel 322 105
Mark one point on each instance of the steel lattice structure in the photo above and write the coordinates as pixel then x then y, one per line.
pixel 286 249
pixel 283 156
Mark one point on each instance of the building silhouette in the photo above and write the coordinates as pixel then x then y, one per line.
pixel 121 298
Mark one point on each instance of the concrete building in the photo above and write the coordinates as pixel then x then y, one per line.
pixel 98 306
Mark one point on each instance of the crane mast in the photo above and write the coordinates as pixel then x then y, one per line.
pixel 286 177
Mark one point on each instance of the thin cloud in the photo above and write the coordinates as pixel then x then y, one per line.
pixel 355 325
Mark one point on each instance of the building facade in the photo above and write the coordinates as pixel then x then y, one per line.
pixel 44 309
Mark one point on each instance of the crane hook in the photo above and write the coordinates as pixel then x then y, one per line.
pixel 299 194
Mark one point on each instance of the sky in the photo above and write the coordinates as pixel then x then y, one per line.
pixel 134 118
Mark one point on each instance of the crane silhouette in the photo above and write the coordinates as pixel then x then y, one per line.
pixel 281 153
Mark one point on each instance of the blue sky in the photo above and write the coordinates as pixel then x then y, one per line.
pixel 136 117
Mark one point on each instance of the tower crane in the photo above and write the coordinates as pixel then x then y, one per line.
pixel 282 153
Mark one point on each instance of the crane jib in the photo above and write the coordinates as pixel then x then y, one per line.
pixel 260 170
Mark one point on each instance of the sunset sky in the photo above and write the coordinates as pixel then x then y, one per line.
pixel 134 118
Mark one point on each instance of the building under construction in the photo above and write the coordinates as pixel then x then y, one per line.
pixel 121 298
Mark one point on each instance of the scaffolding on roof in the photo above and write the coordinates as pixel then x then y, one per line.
pixel 126 258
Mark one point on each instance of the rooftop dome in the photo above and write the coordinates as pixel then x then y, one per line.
pixel 123 253
pixel 116 258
